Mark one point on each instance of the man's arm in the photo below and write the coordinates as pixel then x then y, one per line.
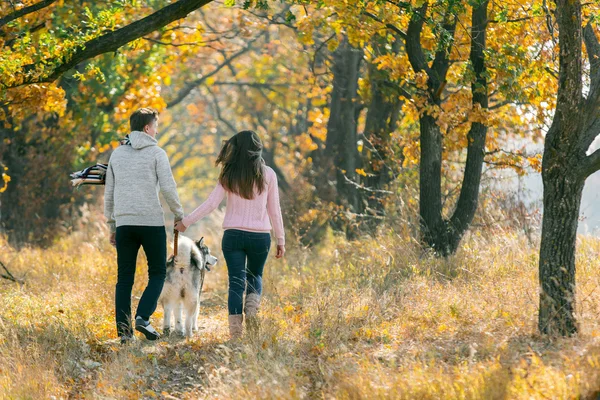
pixel 109 198
pixel 168 187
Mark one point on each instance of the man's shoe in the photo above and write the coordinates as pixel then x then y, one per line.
pixel 144 327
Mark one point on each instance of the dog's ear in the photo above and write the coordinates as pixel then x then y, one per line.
pixel 196 258
pixel 200 242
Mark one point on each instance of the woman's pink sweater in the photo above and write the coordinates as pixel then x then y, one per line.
pixel 246 215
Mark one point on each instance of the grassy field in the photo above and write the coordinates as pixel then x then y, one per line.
pixel 375 318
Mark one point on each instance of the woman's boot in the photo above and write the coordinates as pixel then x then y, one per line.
pixel 251 311
pixel 235 326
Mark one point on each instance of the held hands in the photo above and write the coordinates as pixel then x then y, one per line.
pixel 180 226
pixel 280 251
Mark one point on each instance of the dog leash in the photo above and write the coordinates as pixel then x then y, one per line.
pixel 175 240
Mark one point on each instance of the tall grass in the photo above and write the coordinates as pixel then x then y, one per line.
pixel 372 318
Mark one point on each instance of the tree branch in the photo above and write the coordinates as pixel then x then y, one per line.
pixel 593 49
pixel 441 62
pixel 187 89
pixel 112 41
pixel 591 163
pixel 592 103
pixel 466 206
pixel 392 27
pixel 362 187
pixel 24 11
pixel 9 276
pixel 494 21
pixel 11 41
pixel 569 95
pixel 413 40
pixel 255 84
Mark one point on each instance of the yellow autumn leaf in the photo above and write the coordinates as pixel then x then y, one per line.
pixel 535 162
pixel 332 45
pixel 361 172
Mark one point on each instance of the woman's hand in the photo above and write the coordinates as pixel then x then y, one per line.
pixel 280 251
pixel 113 239
pixel 180 226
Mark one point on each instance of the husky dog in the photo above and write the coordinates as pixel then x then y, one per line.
pixel 183 285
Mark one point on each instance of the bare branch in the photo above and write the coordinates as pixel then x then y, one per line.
pixel 9 276
pixel 495 21
pixel 254 84
pixel 194 84
pixel 591 163
pixel 362 187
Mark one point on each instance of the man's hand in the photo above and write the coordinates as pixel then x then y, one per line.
pixel 180 226
pixel 113 239
pixel 280 251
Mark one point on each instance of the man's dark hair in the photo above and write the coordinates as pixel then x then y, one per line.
pixel 141 118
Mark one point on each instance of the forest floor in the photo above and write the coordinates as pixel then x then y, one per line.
pixel 373 318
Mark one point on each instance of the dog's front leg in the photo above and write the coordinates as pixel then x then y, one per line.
pixel 179 319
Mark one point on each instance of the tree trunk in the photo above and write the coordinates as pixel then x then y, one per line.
pixel 381 120
pixel 442 235
pixel 341 140
pixel 433 228
pixel 336 166
pixel 469 192
pixel 562 197
pixel 564 170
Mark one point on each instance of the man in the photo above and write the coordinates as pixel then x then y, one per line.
pixel 136 170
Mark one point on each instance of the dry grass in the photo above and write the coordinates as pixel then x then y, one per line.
pixel 368 319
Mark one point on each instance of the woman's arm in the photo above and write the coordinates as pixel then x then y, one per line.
pixel 274 210
pixel 207 207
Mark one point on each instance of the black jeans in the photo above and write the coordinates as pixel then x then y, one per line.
pixel 246 254
pixel 129 239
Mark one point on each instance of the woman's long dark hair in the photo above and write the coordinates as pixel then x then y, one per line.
pixel 242 165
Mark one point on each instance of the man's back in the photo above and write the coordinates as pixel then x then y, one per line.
pixel 135 172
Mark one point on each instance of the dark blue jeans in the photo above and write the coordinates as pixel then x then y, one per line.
pixel 129 240
pixel 246 254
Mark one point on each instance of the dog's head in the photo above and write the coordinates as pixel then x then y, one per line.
pixel 209 259
pixel 193 255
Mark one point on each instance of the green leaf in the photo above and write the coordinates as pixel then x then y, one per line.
pixel 289 17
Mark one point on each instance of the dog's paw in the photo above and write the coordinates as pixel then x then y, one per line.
pixel 166 331
pixel 179 333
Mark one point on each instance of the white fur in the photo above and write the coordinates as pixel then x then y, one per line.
pixel 183 284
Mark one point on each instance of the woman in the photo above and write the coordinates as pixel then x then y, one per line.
pixel 252 199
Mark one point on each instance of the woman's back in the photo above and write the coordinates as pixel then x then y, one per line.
pixel 259 214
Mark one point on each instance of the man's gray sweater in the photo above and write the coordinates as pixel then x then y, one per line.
pixel 133 178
